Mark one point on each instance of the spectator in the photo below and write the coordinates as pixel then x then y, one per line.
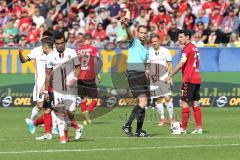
pixel 38 19
pixel 162 16
pixel 79 40
pixel 196 6
pixel 189 20
pixel 111 30
pixel 33 35
pixel 162 32
pixel 234 40
pixel 202 18
pixel 200 31
pixel 121 34
pixel 62 28
pixel 25 23
pixel 51 16
pixel 1 37
pixel 4 18
pixel 216 17
pixel 173 32
pixel 10 30
pixel 114 10
pixel 91 18
pixel 215 35
pixel 183 6
pixel 197 39
pixel 91 28
pixel 11 42
pixel 230 24
pixel 71 43
pixel 143 17
pixel 43 8
pixel 23 41
pixel 208 6
pixel 100 32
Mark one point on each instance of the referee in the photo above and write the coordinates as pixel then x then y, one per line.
pixel 137 56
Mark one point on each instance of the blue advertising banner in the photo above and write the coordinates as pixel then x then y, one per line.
pixel 212 60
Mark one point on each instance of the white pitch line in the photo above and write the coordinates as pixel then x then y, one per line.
pixel 163 137
pixel 118 149
pixel 128 138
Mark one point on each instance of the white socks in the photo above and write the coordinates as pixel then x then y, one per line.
pixel 54 119
pixel 35 112
pixel 170 108
pixel 160 110
pixel 61 123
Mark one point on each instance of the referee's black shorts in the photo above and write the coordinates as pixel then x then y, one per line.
pixel 190 92
pixel 138 83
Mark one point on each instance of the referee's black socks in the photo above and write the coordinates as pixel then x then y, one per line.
pixel 140 119
pixel 138 113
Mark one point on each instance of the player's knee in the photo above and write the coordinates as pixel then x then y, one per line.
pixel 167 99
pixel 143 101
pixel 184 104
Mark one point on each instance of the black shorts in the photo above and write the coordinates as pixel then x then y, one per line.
pixel 87 88
pixel 138 83
pixel 190 92
pixel 50 103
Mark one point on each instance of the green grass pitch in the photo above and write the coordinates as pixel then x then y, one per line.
pixel 104 139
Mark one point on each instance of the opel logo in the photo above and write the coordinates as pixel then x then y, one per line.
pixel 221 101
pixel 7 101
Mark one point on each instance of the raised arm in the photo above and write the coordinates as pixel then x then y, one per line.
pixel 22 58
pixel 124 21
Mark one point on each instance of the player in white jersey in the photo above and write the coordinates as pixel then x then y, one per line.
pixel 39 56
pixel 63 69
pixel 160 66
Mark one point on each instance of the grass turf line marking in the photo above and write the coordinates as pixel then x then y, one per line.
pixel 188 136
pixel 119 149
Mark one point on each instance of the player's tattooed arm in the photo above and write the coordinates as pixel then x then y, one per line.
pixel 21 57
pixel 76 72
pixel 175 71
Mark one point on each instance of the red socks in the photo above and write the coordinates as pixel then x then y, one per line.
pixel 92 105
pixel 74 124
pixel 185 117
pixel 39 120
pixel 83 106
pixel 198 116
pixel 48 122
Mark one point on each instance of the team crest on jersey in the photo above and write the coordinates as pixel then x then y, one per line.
pixel 69 57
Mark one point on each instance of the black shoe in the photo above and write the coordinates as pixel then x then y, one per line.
pixel 127 130
pixel 141 133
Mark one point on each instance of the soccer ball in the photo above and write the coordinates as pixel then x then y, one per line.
pixel 176 127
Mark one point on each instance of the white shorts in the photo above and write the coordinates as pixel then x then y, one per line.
pixel 160 89
pixel 68 101
pixel 36 92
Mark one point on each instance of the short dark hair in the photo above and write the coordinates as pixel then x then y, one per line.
pixel 186 33
pixel 154 35
pixel 47 33
pixel 48 41
pixel 87 36
pixel 142 26
pixel 59 35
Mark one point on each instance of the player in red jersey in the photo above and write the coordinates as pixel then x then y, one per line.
pixel 191 79
pixel 90 68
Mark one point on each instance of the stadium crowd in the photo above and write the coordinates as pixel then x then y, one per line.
pixel 212 22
